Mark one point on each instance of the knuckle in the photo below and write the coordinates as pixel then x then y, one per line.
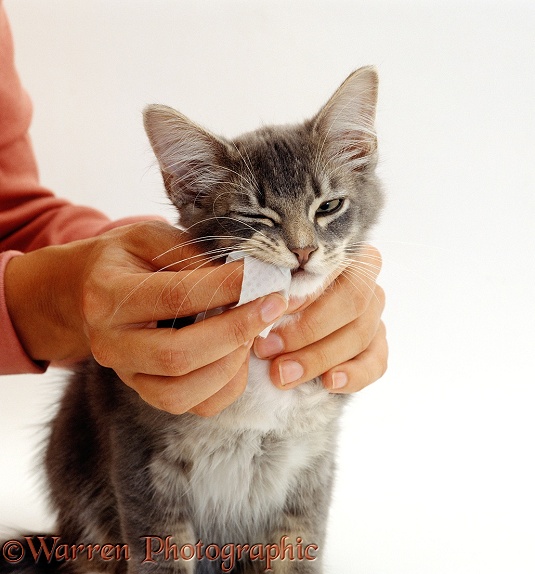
pixel 173 405
pixel 368 378
pixel 380 296
pixel 177 299
pixel 356 299
pixel 102 353
pixel 165 395
pixel 380 340
pixel 139 229
pixel 166 398
pixel 135 234
pixel 97 302
pixel 236 391
pixel 226 396
pixel 322 359
pixel 178 407
pixel 174 361
pixel 384 367
pixel 91 303
pixel 379 370
pixel 375 258
pixel 229 286
pixel 383 358
pixel 382 330
pixel 376 369
pixel 357 305
pixel 239 332
pixel 361 341
pixel 206 409
pixel 306 330
pixel 227 367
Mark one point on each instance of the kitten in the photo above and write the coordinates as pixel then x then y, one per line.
pixel 260 473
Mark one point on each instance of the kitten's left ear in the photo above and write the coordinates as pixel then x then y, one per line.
pixel 345 125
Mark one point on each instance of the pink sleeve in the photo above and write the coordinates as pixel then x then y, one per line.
pixel 30 215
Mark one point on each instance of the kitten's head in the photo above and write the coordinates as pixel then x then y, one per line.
pixel 301 196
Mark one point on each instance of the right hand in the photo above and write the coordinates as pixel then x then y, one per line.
pixel 103 296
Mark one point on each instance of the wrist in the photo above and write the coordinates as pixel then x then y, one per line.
pixel 42 292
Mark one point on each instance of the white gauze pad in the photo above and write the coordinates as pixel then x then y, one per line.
pixel 260 279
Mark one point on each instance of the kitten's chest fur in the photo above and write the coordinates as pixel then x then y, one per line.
pixel 242 463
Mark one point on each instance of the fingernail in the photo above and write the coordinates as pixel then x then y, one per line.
pixel 290 371
pixel 338 380
pixel 269 347
pixel 272 308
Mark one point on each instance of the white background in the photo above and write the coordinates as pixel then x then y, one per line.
pixel 436 468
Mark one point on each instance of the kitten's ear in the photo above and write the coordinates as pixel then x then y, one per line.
pixel 190 157
pixel 345 125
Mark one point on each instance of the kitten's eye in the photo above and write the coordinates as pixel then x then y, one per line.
pixel 328 207
pixel 255 217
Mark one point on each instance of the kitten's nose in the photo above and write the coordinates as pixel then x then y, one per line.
pixel 303 254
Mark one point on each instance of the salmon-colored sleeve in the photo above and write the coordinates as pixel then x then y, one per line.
pixel 31 216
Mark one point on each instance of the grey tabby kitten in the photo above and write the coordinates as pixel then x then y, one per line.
pixel 302 197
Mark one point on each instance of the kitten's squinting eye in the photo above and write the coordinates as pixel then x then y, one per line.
pixel 328 207
pixel 255 217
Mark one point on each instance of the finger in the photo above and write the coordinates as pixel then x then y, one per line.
pixel 171 352
pixel 325 316
pixel 226 396
pixel 361 371
pixel 142 297
pixel 178 395
pixel 291 369
pixel 365 264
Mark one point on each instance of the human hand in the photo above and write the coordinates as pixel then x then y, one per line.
pixel 104 295
pixel 339 335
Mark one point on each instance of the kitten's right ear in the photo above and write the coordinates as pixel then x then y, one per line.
pixel 189 156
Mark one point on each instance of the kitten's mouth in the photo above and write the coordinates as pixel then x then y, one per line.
pixel 299 272
pixel 301 275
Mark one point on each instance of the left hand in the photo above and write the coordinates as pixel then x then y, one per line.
pixel 338 336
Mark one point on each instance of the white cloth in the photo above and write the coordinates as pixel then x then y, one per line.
pixel 260 279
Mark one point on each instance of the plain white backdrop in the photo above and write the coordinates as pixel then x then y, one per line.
pixel 436 467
